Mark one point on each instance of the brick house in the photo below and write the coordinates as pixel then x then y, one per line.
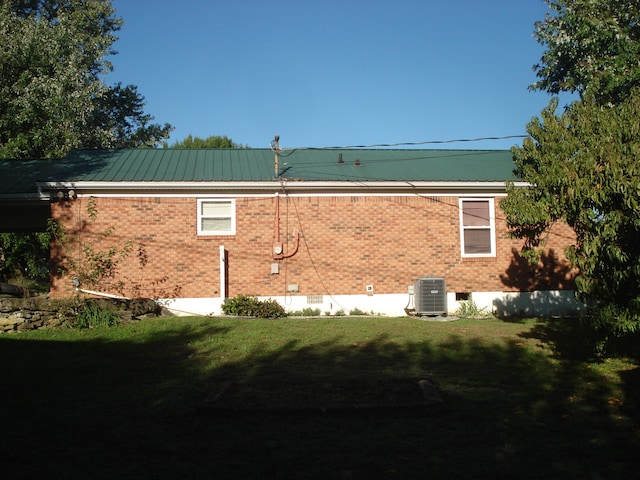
pixel 327 229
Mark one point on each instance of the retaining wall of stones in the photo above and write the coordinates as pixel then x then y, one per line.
pixel 21 314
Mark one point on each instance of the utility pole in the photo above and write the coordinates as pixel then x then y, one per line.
pixel 276 148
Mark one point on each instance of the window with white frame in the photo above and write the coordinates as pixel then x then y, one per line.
pixel 216 216
pixel 477 227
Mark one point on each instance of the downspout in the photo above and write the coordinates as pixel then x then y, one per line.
pixel 223 273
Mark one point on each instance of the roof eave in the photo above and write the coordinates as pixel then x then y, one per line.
pixel 24 197
pixel 88 187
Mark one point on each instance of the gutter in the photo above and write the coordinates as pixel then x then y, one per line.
pixel 264 187
pixel 25 197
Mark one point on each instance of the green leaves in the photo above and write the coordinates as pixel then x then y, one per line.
pixel 591 45
pixel 251 306
pixel 213 141
pixel 52 95
pixel 25 255
pixel 584 164
pixel 585 170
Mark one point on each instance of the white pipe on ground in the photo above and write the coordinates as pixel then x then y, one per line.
pixel 101 294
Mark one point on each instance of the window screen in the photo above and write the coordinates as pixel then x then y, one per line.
pixel 478 230
pixel 216 217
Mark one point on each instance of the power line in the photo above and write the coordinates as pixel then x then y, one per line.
pixel 410 156
pixel 400 144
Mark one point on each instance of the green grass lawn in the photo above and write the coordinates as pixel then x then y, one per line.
pixel 520 401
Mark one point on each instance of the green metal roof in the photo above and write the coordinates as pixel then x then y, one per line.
pixel 19 177
pixel 255 165
pixel 247 165
pixel 399 165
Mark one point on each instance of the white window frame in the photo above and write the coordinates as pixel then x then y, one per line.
pixel 491 227
pixel 231 216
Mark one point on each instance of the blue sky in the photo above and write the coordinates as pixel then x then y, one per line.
pixel 334 72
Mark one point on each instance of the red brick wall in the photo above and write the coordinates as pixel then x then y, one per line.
pixel 346 243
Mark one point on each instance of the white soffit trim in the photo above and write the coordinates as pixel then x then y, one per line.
pixel 291 186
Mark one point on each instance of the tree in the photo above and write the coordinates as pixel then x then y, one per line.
pixel 584 168
pixel 583 164
pixel 52 95
pixel 24 255
pixel 213 141
pixel 590 44
pixel 53 59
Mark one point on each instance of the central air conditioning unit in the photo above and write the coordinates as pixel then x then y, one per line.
pixel 430 296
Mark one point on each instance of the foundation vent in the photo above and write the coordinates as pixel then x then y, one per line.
pixel 314 299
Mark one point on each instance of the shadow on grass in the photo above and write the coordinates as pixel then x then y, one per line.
pixel 133 409
pixel 573 344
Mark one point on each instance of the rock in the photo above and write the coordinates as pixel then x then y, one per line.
pixel 8 322
pixel 430 391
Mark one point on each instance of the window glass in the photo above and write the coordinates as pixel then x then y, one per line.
pixel 216 217
pixel 475 213
pixel 477 228
pixel 216 208
pixel 216 224
pixel 477 241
